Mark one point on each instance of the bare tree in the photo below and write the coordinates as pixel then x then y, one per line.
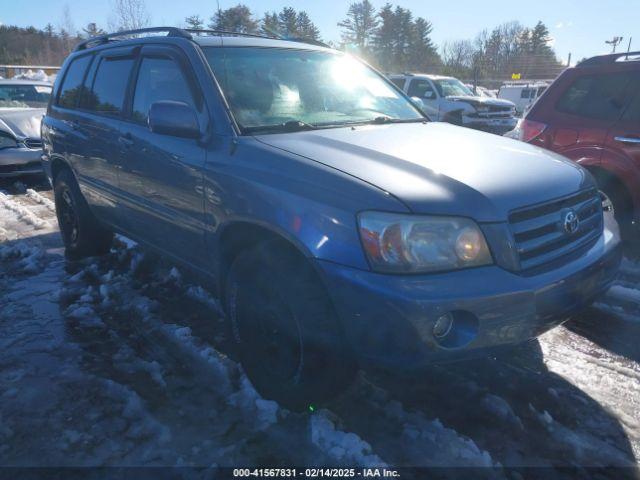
pixel 129 15
pixel 67 29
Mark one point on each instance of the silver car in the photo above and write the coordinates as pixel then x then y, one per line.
pixel 22 105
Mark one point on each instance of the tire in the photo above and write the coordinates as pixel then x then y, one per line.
pixel 82 234
pixel 615 198
pixel 286 331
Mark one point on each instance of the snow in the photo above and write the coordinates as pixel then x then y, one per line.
pixel 23 213
pixel 39 75
pixel 137 370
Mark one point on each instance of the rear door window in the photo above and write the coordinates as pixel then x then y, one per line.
pixel 421 88
pixel 601 97
pixel 109 86
pixel 72 84
pixel 159 79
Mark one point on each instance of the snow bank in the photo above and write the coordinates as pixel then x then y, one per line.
pixel 28 257
pixel 344 448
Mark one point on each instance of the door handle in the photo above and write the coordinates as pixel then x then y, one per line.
pixel 629 140
pixel 126 140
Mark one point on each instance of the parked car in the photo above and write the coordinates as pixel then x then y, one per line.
pixel 22 105
pixel 339 226
pixel 447 99
pixel 591 114
pixel 522 95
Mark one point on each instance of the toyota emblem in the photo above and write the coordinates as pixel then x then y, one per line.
pixel 570 222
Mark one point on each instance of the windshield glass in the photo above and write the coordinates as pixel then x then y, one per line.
pixel 24 96
pixel 448 87
pixel 268 87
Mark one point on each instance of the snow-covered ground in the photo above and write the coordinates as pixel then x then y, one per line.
pixel 121 361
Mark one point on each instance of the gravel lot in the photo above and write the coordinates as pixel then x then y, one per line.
pixel 121 361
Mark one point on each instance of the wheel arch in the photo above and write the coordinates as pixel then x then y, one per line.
pixel 241 235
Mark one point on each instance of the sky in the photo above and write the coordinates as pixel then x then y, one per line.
pixel 576 27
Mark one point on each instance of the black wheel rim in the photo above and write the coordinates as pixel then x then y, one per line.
pixel 68 217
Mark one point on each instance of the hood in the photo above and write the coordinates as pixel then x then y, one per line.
pixel 482 101
pixel 437 168
pixel 22 122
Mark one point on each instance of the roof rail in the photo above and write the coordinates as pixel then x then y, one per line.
pixel 101 39
pixel 608 59
pixel 273 35
pixel 224 33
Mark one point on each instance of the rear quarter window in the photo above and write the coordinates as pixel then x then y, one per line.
pixel 71 87
pixel 600 97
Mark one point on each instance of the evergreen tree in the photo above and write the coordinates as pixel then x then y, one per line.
pixel 234 19
pixel 194 22
pixel 288 22
pixel 422 52
pixel 306 28
pixel 92 30
pixel 384 37
pixel 269 24
pixel 360 25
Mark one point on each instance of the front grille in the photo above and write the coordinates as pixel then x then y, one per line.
pixel 33 143
pixel 540 235
pixel 499 108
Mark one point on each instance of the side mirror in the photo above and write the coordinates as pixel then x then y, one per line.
pixel 417 101
pixel 177 119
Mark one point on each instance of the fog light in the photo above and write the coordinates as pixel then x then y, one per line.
pixel 443 326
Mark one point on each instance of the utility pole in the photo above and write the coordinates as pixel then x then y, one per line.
pixel 569 60
pixel 614 43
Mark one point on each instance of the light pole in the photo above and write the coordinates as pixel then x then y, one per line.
pixel 614 43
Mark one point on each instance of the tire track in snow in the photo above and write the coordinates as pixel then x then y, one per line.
pixel 23 213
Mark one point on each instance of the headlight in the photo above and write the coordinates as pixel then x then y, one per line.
pixel 411 244
pixel 7 141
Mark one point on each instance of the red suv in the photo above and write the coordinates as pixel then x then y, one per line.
pixel 591 114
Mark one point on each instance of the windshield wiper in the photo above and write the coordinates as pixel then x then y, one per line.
pixel 384 119
pixel 288 126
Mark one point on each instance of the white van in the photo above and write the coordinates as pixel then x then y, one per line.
pixel 522 94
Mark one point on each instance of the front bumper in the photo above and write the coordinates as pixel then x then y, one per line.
pixel 388 319
pixel 16 162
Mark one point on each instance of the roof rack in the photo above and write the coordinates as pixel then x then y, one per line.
pixel 186 33
pixel 101 39
pixel 609 59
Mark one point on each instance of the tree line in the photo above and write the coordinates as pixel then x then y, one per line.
pixel 391 38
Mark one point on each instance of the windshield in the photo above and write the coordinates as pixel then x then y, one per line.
pixel 269 87
pixel 448 87
pixel 24 96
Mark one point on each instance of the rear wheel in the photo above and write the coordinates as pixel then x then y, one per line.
pixel 82 234
pixel 289 340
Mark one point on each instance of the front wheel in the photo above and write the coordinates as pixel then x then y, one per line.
pixel 82 234
pixel 289 340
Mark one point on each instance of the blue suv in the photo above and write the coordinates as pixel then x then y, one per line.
pixel 341 227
